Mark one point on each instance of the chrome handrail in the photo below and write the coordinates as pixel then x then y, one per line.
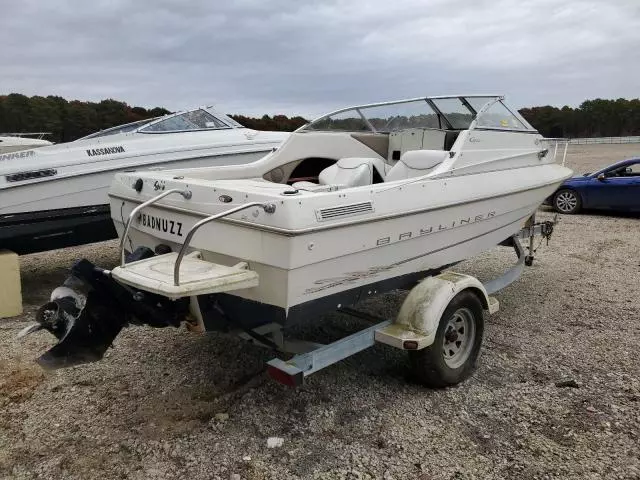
pixel 267 207
pixel 185 193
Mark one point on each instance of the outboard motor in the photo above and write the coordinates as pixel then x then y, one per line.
pixel 75 316
pixel 88 311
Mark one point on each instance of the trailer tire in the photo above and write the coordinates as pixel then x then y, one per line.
pixel 453 356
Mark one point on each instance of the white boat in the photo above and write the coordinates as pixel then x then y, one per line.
pixel 392 193
pixel 56 196
pixel 14 142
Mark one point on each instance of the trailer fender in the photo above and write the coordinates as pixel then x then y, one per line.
pixel 417 322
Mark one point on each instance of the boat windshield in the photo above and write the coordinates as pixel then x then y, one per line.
pixel 193 120
pixel 497 115
pixel 380 117
pixel 455 113
pixel 129 127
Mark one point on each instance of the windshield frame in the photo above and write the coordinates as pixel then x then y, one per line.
pixel 444 121
pixel 138 124
pixel 229 123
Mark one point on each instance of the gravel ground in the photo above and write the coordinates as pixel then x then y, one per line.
pixel 173 404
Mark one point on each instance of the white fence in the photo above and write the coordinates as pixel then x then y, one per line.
pixel 587 141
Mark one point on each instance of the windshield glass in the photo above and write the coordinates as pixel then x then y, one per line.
pixel 478 102
pixel 129 127
pixel 193 120
pixel 348 121
pixel 381 118
pixel 456 112
pixel 387 118
pixel 496 116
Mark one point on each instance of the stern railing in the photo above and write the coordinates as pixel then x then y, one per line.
pixel 267 207
pixel 185 193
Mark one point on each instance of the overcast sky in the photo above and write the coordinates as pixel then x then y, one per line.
pixel 307 57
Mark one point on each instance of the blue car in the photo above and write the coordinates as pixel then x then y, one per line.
pixel 616 187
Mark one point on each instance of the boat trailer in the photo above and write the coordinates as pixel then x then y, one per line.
pixel 435 323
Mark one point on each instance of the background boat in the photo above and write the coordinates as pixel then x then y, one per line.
pixel 56 196
pixel 14 142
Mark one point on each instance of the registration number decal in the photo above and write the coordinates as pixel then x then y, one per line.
pixel 161 224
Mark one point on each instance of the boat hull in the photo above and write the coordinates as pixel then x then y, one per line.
pixel 74 210
pixel 384 253
pixel 41 231
pixel 17 148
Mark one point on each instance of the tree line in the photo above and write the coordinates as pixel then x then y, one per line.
pixel 280 123
pixel 593 118
pixel 67 120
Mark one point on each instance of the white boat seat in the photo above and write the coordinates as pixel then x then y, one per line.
pixel 345 173
pixel 416 163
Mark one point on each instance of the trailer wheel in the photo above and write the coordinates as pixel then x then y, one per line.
pixel 453 356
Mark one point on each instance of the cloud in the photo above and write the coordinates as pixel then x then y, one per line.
pixel 276 56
